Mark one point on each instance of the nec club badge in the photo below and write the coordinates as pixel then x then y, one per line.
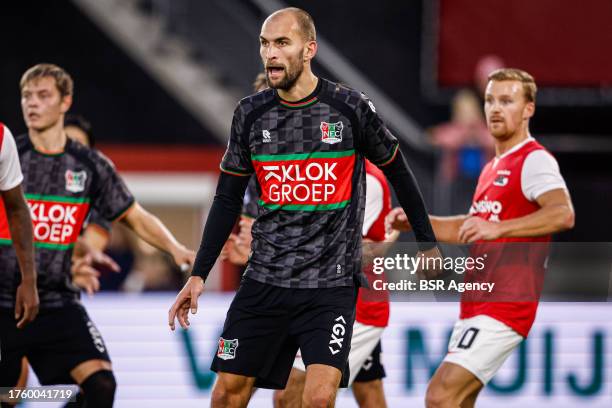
pixel 331 133
pixel 75 181
pixel 227 349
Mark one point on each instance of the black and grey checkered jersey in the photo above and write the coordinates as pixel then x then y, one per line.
pixel 60 190
pixel 308 157
pixel 250 207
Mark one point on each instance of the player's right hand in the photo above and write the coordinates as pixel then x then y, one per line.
pixel 397 220
pixel 186 299
pixel 26 303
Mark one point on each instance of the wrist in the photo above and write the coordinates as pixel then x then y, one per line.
pixel 29 279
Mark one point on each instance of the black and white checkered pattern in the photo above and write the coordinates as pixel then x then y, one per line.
pixel 46 175
pixel 308 249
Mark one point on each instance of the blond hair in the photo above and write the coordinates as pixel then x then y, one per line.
pixel 514 74
pixel 63 81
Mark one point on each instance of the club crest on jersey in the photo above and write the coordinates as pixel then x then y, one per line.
pixel 75 180
pixel 331 133
pixel 227 349
pixel 500 181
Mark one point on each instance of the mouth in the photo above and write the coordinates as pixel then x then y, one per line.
pixel 33 116
pixel 496 120
pixel 274 72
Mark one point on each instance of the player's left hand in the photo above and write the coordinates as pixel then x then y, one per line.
pixel 186 299
pixel 476 229
pixel 431 257
pixel 84 270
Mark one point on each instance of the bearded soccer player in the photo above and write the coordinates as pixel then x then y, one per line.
pixel 305 139
pixel 520 197
pixel 62 180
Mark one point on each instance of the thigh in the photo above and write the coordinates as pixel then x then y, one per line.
pixel 255 341
pixel 323 328
pixel 12 349
pixel 373 368
pixel 64 339
pixel 481 345
pixel 364 341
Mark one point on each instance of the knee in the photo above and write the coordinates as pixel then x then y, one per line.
pixel 219 396
pixel 435 397
pixel 279 398
pixel 322 397
pixel 99 389
pixel 229 392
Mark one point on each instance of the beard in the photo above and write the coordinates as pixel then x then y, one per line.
pixel 292 73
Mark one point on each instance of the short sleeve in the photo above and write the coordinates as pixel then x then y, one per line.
pixel 237 157
pixel 111 198
pixel 373 206
pixel 250 206
pixel 376 142
pixel 10 169
pixel 540 174
pixel 94 218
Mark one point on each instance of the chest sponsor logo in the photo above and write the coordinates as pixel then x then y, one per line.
pixel 487 209
pixel 331 133
pixel 75 181
pixel 227 349
pixel 308 182
pixel 57 223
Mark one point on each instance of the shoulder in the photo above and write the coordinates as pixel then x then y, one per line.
pixel 344 94
pixel 252 103
pixel 91 157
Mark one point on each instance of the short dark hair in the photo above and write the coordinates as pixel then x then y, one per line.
pixel 63 80
pixel 80 122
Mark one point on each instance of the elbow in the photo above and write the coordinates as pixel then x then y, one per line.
pixel 567 220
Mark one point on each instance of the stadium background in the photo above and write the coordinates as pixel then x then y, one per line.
pixel 159 79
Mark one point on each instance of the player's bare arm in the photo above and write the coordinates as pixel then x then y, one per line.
pixel 556 214
pixel 20 225
pixel 153 231
pixel 446 228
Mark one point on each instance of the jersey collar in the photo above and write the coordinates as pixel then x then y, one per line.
pixel 304 102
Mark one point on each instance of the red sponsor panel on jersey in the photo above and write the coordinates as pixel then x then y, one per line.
pixel 515 265
pixel 56 220
pixel 305 182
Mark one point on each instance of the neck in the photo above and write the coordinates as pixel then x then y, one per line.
pixel 502 146
pixel 305 85
pixel 50 140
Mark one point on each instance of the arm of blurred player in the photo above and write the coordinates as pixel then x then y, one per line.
pixel 446 229
pixel 556 214
pixel 154 232
pixel 20 226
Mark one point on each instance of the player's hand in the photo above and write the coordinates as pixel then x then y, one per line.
pixel 397 220
pixel 476 229
pixel 432 258
pixel 85 273
pixel 26 302
pixel 183 257
pixel 235 251
pixel 186 299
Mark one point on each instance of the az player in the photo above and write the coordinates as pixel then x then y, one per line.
pixel 62 179
pixel 305 139
pixel 532 203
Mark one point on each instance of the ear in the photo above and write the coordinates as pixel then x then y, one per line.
pixel 310 50
pixel 66 103
pixel 529 110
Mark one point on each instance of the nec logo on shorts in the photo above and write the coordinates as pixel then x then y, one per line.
pixel 227 349
pixel 338 330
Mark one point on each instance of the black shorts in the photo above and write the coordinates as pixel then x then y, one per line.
pixel 373 368
pixel 57 341
pixel 265 326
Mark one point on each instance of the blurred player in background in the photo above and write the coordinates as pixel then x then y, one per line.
pixel 367 370
pixel 62 178
pixel 299 288
pixel 531 203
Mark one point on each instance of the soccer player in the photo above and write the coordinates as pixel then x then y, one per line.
pixel 62 179
pixel 520 197
pixel 305 139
